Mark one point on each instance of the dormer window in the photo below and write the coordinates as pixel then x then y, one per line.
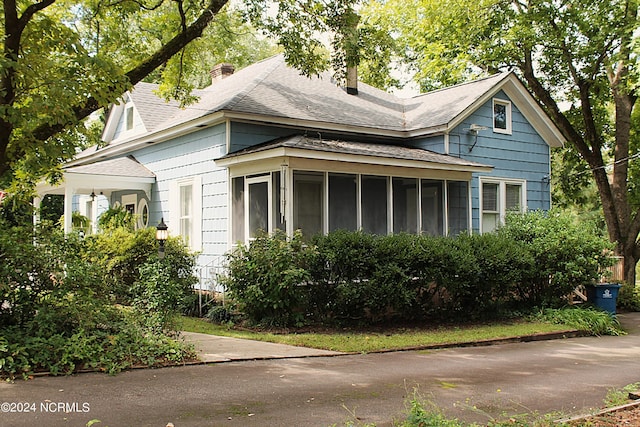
pixel 501 116
pixel 129 117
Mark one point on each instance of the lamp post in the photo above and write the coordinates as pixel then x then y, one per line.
pixel 162 234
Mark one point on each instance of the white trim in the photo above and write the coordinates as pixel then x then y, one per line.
pixel 508 119
pixel 247 183
pixel 195 238
pixel 358 201
pixel 502 193
pixel 142 204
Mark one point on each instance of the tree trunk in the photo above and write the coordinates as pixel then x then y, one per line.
pixel 630 262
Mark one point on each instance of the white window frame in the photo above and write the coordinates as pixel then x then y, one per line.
pixel 129 117
pixel 507 105
pixel 142 205
pixel 195 238
pixel 130 200
pixel 270 196
pixel 502 195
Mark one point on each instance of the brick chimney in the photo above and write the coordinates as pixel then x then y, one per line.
pixel 221 71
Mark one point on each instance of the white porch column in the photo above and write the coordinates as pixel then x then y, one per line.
pixel 94 215
pixel 36 211
pixel 68 209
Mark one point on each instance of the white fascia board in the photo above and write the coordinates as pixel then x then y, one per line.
pixel 346 158
pixel 534 113
pixel 112 121
pixel 81 183
pixel 138 142
pixel 527 105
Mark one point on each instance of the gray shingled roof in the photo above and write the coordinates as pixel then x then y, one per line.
pixel 359 148
pixel 122 166
pixel 154 111
pixel 271 88
pixel 443 106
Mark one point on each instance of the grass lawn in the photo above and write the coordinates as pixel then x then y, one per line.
pixel 364 342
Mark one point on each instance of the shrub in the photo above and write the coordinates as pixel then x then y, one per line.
pixel 268 279
pixel 566 253
pixel 160 292
pixel 629 298
pixel 352 277
pixel 121 253
pixel 56 312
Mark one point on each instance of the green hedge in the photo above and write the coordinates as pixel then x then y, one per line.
pixel 535 260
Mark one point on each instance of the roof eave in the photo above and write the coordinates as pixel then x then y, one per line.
pixel 307 153
pixel 138 142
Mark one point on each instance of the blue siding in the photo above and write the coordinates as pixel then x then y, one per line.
pixel 185 157
pixel 521 155
pixel 435 144
pixel 245 135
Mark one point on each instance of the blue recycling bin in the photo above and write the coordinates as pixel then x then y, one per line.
pixel 604 296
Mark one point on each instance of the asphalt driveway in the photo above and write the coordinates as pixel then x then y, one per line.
pixel 474 384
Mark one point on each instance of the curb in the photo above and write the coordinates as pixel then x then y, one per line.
pixel 599 413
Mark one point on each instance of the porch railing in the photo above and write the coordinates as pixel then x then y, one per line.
pixel 210 283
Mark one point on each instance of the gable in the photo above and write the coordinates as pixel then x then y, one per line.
pixel 124 121
pixel 511 89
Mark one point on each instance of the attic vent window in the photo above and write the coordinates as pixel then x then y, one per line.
pixel 502 116
pixel 129 118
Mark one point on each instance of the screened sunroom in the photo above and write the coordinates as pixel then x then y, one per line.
pixel 319 186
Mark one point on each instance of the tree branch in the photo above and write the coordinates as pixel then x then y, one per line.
pixel 138 73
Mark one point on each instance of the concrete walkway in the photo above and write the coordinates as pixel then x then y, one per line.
pixel 212 349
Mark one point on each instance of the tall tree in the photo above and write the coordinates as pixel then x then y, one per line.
pixel 579 59
pixel 62 60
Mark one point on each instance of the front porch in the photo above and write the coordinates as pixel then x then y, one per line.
pixel 97 184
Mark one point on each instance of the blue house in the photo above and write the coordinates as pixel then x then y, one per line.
pixel 266 148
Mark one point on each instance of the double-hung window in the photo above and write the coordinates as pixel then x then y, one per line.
pixel 499 197
pixel 186 211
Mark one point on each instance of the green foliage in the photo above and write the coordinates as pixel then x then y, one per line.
pixel 618 397
pixel 124 254
pixel 421 416
pixel 629 298
pixel 161 291
pixel 565 254
pixel 114 346
pixel 267 279
pixel 220 314
pixel 56 311
pixel 115 218
pixel 535 260
pixel 595 321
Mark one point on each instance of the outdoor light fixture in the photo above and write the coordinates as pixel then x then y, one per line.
pixel 162 234
pixel 474 129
